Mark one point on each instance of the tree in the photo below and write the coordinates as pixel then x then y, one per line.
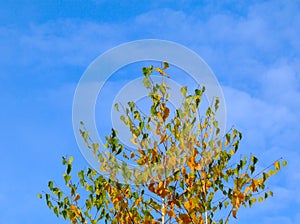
pixel 186 172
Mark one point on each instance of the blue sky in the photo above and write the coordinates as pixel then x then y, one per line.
pixel 253 47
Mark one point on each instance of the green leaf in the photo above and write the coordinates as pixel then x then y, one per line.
pixel 226 203
pixel 147 71
pixel 131 106
pixel 50 185
pixel 284 163
pixel 56 210
pixel 117 107
pixel 64 161
pixel 228 137
pixel 198 92
pixel 183 90
pixel 81 174
pixel 85 135
pixel 208 112
pixel 69 168
pixel 147 83
pixel 67 178
pixel 217 102
pixel 71 159
pixel 39 196
pixel 254 160
pixel 166 65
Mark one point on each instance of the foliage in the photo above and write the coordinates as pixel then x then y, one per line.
pixel 185 172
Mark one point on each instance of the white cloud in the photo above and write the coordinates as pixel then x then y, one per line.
pixel 68 42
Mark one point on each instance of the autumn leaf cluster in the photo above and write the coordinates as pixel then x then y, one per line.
pixel 186 170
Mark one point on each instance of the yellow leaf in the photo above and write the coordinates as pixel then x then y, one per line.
pixel 98 191
pixel 75 210
pixel 187 205
pixel 161 72
pixel 277 165
pixel 247 189
pixel 226 143
pixel 133 141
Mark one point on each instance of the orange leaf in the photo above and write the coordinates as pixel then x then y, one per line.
pixel 205 135
pixel 159 116
pixel 166 113
pixel 185 218
pixel 77 197
pixel 171 213
pixel 187 205
pixel 198 166
pixel 183 171
pixel 234 213
pixel 132 155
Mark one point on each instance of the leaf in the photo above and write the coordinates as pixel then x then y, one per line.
pixel 67 178
pixel 147 71
pixel 254 160
pixel 205 135
pixel 161 72
pixel 277 165
pixel 166 113
pixel 77 197
pixel 56 210
pixel 185 218
pixel 131 106
pixel 234 213
pixel 117 107
pixel 208 112
pixel 147 83
pixel 39 196
pixel 132 154
pixel 183 90
pixel 50 185
pixel 95 147
pixel 252 169
pixel 166 65
pixel 284 163
pixel 69 168
pixel 217 103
